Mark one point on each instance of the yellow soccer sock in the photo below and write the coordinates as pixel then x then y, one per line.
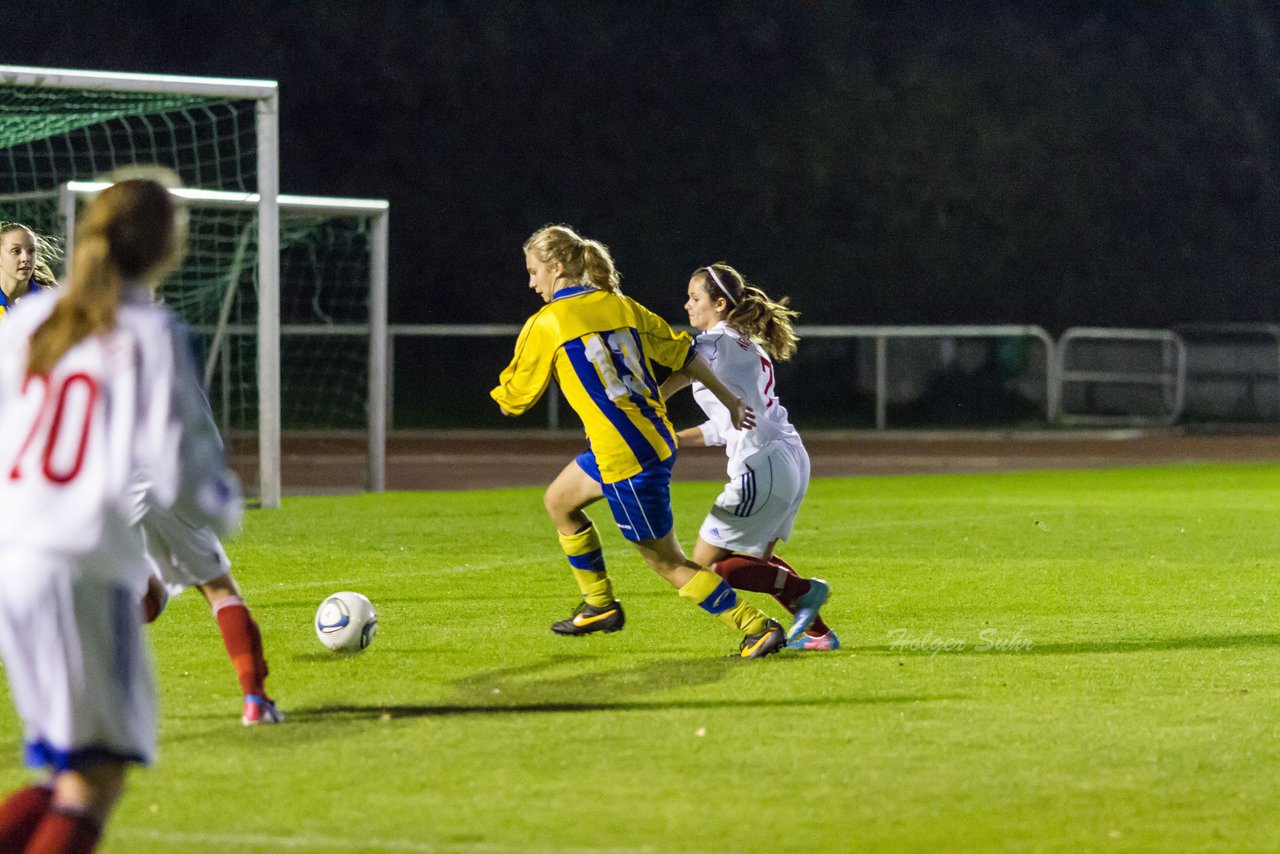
pixel 586 561
pixel 746 618
pixel 714 595
pixel 596 590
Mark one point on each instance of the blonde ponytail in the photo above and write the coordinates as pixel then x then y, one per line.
pixel 130 231
pixel 87 307
pixel 584 261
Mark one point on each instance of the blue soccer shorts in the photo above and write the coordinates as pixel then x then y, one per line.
pixel 641 504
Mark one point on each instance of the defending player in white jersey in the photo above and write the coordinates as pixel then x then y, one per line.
pixel 185 554
pixel 743 334
pixel 96 386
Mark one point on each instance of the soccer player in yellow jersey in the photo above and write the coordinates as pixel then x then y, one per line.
pixel 599 346
pixel 24 263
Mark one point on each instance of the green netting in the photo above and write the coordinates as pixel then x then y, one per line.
pixel 30 114
pixel 324 276
pixel 324 286
pixel 48 136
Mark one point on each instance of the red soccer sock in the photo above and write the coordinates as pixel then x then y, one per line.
pixel 243 641
pixel 744 572
pixel 65 832
pixel 20 814
pixel 817 628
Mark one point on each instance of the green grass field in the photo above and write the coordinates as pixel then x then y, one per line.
pixel 1050 660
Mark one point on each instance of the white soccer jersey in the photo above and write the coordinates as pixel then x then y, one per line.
pixel 747 370
pixel 115 408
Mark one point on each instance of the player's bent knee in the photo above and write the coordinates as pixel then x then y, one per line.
pixel 217 589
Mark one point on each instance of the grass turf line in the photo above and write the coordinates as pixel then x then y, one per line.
pixel 1057 660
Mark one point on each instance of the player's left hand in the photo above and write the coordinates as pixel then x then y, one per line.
pixel 153 602
pixel 744 417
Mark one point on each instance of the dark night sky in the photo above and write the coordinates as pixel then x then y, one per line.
pixel 1054 163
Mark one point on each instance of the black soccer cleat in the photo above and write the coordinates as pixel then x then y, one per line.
pixel 588 618
pixel 765 642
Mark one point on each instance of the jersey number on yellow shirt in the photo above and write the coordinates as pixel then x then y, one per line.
pixel 621 343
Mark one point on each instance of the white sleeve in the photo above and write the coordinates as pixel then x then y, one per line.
pixel 711 434
pixel 211 492
pixel 190 476
pixel 707 347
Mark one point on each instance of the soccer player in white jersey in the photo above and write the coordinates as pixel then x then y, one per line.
pixel 185 554
pixel 96 386
pixel 743 334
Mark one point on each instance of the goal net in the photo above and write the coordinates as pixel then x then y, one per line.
pixel 285 295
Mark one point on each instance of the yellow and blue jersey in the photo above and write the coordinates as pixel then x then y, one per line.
pixel 6 304
pixel 600 347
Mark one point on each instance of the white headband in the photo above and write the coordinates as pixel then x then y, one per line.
pixel 719 284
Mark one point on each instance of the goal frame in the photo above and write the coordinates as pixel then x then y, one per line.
pixel 265 96
pixel 377 213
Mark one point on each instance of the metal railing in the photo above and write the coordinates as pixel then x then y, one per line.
pixel 1242 355
pixel 880 335
pixel 1170 377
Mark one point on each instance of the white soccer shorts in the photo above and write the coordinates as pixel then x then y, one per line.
pixel 759 506
pixel 185 555
pixel 77 664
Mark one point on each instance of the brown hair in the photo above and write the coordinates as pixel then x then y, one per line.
pixel 130 232
pixel 47 249
pixel 583 260
pixel 751 312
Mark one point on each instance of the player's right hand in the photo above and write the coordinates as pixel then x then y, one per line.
pixel 743 416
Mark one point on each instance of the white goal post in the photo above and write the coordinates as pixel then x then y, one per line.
pixel 286 295
pixel 46 111
pixel 219 331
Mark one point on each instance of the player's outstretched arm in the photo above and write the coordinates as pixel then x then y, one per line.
pixel 692 438
pixel 673 383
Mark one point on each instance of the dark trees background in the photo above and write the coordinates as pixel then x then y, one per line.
pixel 1056 163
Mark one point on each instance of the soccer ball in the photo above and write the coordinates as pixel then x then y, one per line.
pixel 346 622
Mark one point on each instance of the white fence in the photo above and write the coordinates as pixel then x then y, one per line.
pixel 878 336
pixel 1233 370
pixel 1130 376
pixel 1091 376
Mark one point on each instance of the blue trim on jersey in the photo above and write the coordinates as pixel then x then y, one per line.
pixel 721 599
pixel 693 352
pixel 41 754
pixel 33 286
pixel 573 291
pixel 645 454
pixel 641 505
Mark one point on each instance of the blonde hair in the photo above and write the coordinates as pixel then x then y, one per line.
pixel 47 249
pixel 751 312
pixel 132 231
pixel 583 260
